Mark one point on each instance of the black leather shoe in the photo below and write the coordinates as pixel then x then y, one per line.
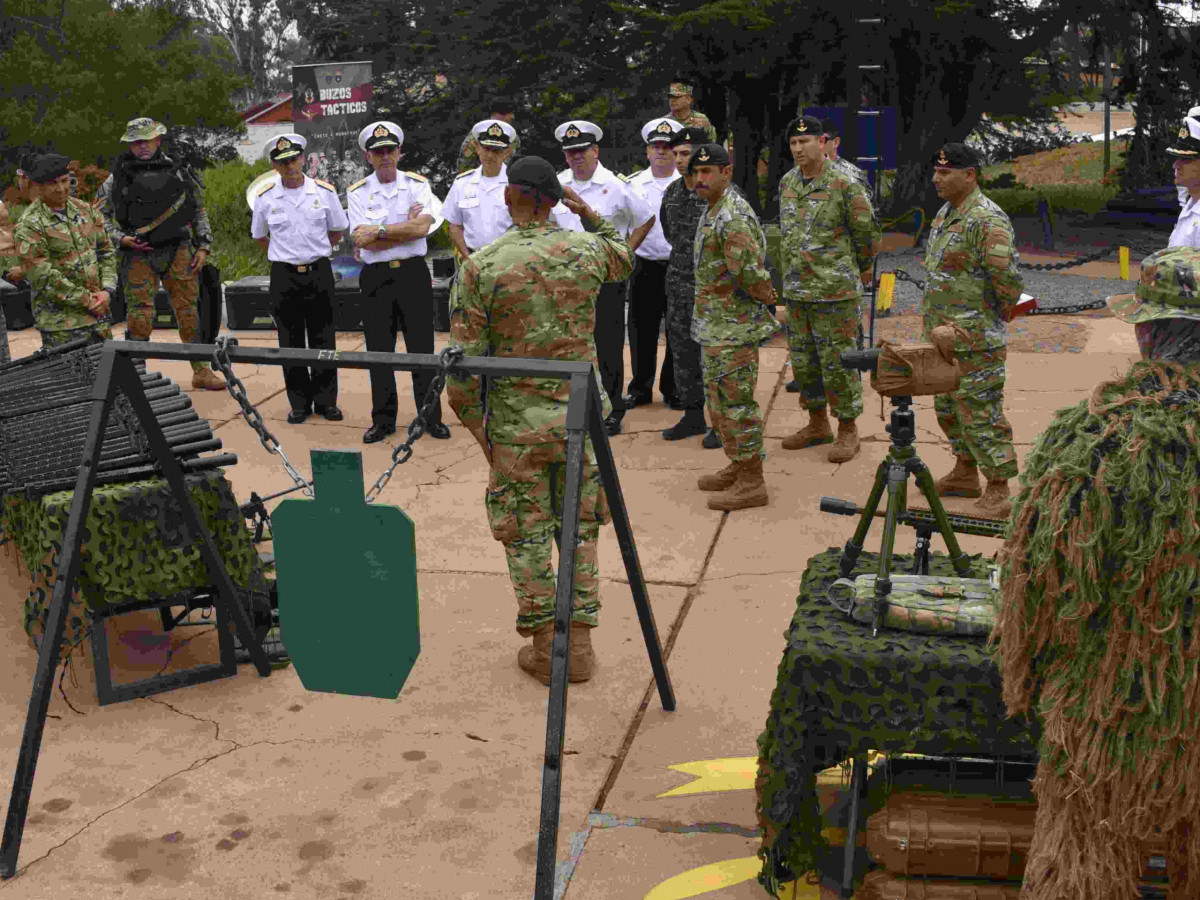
pixel 634 400
pixel 676 404
pixel 712 440
pixel 296 416
pixel 439 430
pixel 793 387
pixel 378 432
pixel 612 425
pixel 331 413
pixel 690 425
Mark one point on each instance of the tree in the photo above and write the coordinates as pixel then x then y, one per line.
pixel 75 71
pixel 256 32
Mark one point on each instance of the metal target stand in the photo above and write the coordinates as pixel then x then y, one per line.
pixel 116 373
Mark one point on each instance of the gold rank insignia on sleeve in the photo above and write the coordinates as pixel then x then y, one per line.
pixel 357 184
pixel 327 185
pixel 416 176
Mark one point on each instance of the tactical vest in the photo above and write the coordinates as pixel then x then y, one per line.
pixel 153 201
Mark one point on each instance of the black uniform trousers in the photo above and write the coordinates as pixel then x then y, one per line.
pixel 398 297
pixel 647 309
pixel 302 307
pixel 609 335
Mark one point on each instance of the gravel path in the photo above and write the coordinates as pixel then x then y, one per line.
pixel 1050 289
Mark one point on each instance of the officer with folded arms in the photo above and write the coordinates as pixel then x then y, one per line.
pixel 298 220
pixel 390 214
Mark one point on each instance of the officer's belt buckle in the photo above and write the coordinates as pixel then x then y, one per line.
pixel 394 263
pixel 303 269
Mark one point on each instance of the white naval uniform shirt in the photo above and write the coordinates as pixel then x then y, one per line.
pixel 1187 227
pixel 651 190
pixel 297 221
pixel 477 204
pixel 610 197
pixel 374 204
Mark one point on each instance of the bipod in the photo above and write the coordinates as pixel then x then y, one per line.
pixel 901 461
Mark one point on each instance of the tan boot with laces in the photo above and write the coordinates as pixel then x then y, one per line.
pixel 748 490
pixel 718 481
pixel 817 431
pixel 963 481
pixel 536 658
pixel 846 447
pixel 208 380
pixel 995 502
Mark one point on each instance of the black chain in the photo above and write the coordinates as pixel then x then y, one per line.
pixel 902 275
pixel 1071 263
pixel 447 359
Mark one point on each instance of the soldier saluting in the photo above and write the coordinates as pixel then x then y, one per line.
pixel 532 293
pixel 67 257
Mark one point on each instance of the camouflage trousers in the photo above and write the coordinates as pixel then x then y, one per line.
pixel 730 375
pixel 973 416
pixel 66 335
pixel 685 352
pixel 817 335
pixel 141 274
pixel 524 505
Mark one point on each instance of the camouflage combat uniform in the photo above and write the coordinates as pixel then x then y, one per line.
pixel 730 253
pixel 698 120
pixel 680 212
pixel 853 172
pixel 829 237
pixel 468 156
pixel 8 260
pixel 66 256
pixel 498 309
pixel 972 282
pixel 141 272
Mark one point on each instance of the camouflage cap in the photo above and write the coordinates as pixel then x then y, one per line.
pixel 679 89
pixel 1167 289
pixel 142 129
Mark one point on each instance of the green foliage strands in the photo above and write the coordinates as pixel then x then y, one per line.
pixel 347 580
pixel 1097 624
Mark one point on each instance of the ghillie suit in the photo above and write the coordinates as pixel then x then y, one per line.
pixel 1097 625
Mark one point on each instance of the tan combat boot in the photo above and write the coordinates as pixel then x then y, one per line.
pixel 817 431
pixel 718 481
pixel 846 447
pixel 535 658
pixel 963 481
pixel 749 489
pixel 207 379
pixel 995 502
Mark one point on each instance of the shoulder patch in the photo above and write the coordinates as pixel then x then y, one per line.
pixel 415 176
pixel 266 187
pixel 325 184
pixel 357 184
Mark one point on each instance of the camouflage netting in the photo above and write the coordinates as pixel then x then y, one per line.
pixel 1096 638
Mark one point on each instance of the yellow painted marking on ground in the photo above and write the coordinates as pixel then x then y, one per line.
pixel 718 875
pixel 730 774
pixel 1123 255
pixel 887 287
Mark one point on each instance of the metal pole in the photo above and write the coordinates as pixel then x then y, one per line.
pixel 56 620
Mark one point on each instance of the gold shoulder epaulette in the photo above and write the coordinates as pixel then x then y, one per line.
pixel 416 176
pixel 266 187
pixel 624 178
pixel 357 184
pixel 463 174
pixel 326 185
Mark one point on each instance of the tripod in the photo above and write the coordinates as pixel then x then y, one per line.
pixel 893 472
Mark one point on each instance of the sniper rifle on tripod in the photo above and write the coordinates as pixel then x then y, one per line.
pixel 920 518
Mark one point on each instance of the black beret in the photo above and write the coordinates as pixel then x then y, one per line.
pixel 47 167
pixel 708 155
pixel 689 134
pixel 535 172
pixel 25 163
pixel 956 156
pixel 803 125
pixel 830 128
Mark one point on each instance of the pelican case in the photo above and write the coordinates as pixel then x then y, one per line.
pixel 248 304
pixel 18 309
pixel 886 886
pixel 942 836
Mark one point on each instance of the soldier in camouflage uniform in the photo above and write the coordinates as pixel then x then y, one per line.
pixel 498 308
pixel 730 320
pixel 67 257
pixel 10 271
pixel 154 210
pixel 468 151
pixel 973 285
pixel 833 140
pixel 680 211
pixel 830 238
pixel 679 98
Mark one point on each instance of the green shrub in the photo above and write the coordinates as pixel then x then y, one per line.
pixel 235 253
pixel 1023 201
